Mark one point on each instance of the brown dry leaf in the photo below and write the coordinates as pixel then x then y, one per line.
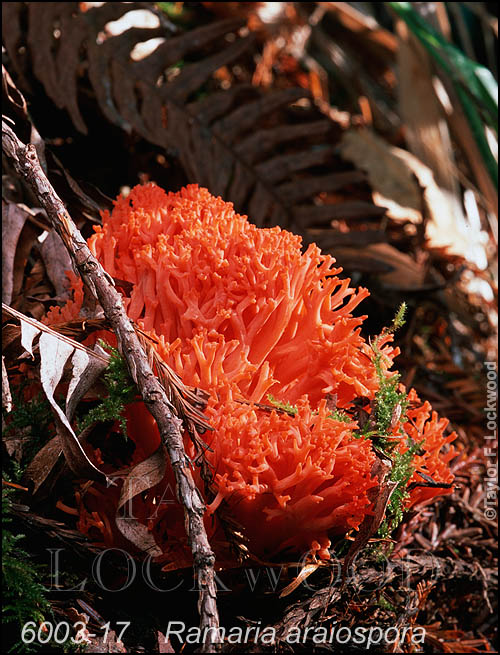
pixel 395 269
pixel 13 220
pixel 54 353
pixel 393 182
pixel 445 227
pixel 14 442
pixel 37 292
pixel 57 261
pixel 407 187
pixel 86 370
pixel 29 332
pixel 45 467
pixel 429 140
pixel 427 133
pixel 140 478
pixel 407 275
pixel 10 339
pixel 353 258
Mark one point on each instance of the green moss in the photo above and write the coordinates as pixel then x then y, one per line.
pixel 30 421
pixel 386 604
pixel 24 597
pixel 121 391
pixel 389 401
pixel 172 9
pixel 389 413
pixel 340 415
pixel 401 472
pixel 285 407
pixel 385 421
pixel 35 413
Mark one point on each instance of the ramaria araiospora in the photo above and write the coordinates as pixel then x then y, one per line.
pixel 244 314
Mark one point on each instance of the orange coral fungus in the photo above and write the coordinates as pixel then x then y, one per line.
pixel 247 302
pixel 425 426
pixel 303 476
pixel 243 313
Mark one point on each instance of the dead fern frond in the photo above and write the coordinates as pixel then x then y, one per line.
pixel 270 153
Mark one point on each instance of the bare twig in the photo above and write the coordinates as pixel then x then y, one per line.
pixel 26 163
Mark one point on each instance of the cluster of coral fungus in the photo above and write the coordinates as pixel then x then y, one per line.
pixel 243 313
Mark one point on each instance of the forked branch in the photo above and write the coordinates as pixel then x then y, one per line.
pixel 26 162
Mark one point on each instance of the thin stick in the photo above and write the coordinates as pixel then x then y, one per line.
pixel 26 163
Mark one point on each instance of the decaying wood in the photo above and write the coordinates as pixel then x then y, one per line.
pixel 25 160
